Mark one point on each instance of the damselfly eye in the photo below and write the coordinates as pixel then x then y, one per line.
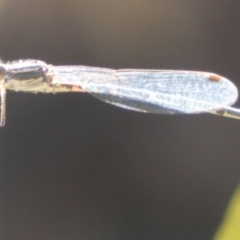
pixel 3 72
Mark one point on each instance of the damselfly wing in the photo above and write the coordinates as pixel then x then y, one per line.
pixel 154 91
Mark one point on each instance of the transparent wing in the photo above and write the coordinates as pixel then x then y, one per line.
pixel 154 91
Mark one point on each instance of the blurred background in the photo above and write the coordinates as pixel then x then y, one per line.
pixel 73 167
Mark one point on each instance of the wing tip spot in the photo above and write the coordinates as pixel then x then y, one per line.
pixel 215 77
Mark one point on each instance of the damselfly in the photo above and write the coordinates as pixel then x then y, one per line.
pixel 150 91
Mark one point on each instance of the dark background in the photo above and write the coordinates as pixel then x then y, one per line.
pixel 73 167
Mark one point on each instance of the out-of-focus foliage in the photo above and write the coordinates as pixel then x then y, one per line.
pixel 2 1
pixel 230 227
